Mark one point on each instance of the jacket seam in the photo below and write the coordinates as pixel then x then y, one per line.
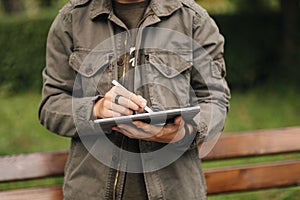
pixel 199 12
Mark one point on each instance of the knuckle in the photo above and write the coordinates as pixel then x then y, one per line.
pixel 131 95
pixel 113 89
pixel 105 113
pixel 128 134
pixel 108 95
pixel 128 103
pixel 107 104
pixel 146 128
pixel 130 112
pixel 126 111
pixel 133 106
pixel 160 134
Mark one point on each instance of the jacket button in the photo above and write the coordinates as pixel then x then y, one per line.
pixel 89 71
pixel 223 73
pixel 114 158
pixel 148 144
pixel 168 72
pixel 120 62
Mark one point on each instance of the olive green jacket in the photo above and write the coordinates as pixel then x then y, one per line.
pixel 187 69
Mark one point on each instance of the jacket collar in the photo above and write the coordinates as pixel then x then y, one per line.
pixel 160 8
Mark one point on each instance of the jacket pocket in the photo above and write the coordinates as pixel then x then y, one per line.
pixel 168 76
pixel 218 69
pixel 94 71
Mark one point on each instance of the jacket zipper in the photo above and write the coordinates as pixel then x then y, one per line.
pixel 118 171
pixel 125 59
pixel 123 80
pixel 138 26
pixel 123 137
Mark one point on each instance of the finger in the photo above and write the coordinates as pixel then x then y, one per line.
pixel 178 120
pixel 121 109
pixel 171 128
pixel 107 113
pixel 152 129
pixel 115 108
pixel 131 136
pixel 127 103
pixel 136 99
pixel 134 132
pixel 160 134
pixel 175 127
pixel 180 133
pixel 141 108
pixel 115 128
pixel 172 133
pixel 124 132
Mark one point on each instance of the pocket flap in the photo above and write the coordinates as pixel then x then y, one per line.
pixel 88 63
pixel 171 64
pixel 218 68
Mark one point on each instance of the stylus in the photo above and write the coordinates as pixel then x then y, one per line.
pixel 116 83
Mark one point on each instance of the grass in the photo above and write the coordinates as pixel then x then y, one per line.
pixel 256 109
pixel 292 193
pixel 261 109
pixel 264 108
pixel 32 183
pixel 19 127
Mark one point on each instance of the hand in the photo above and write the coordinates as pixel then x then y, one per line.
pixel 170 133
pixel 118 102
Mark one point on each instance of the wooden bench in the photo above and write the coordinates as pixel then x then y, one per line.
pixel 219 180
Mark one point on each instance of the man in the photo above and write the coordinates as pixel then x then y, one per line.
pixel 168 54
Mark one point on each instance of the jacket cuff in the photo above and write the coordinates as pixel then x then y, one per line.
pixel 83 116
pixel 200 135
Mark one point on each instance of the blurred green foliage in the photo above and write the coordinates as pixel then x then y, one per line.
pixel 252 51
pixel 258 46
pixel 22 53
pixel 252 48
pixel 29 7
pixel 239 6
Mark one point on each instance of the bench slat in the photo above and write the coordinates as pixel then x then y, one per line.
pixel 222 180
pixel 259 176
pixel 256 143
pixel 40 165
pixel 31 166
pixel 47 193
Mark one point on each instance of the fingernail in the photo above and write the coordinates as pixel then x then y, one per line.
pixel 120 126
pixel 136 123
pixel 143 104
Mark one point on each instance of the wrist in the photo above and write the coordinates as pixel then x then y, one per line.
pixel 96 109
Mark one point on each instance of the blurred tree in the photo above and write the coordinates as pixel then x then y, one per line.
pixel 254 6
pixel 290 10
pixel 239 6
pixel 250 6
pixel 45 3
pixel 217 6
pixel 12 6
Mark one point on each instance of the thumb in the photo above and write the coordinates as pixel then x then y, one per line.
pixel 178 120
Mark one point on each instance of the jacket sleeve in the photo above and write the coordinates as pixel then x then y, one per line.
pixel 208 79
pixel 55 111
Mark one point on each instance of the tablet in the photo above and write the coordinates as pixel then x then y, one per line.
pixel 155 118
